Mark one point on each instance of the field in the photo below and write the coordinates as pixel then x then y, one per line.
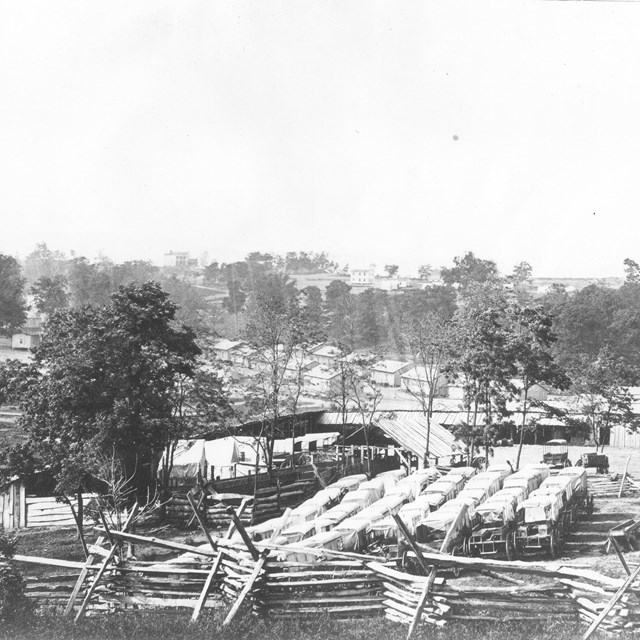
pixel 584 548
pixel 150 626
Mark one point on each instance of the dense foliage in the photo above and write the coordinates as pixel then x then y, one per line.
pixel 110 384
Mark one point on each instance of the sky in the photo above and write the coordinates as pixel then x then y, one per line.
pixel 382 132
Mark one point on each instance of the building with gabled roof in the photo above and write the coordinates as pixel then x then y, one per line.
pixel 389 372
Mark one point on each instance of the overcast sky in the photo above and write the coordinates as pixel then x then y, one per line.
pixel 382 132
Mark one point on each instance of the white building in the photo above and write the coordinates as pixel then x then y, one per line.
pixel 417 381
pixel 362 277
pixel 327 355
pixel 389 372
pixel 322 381
pixel 224 348
pixel 179 259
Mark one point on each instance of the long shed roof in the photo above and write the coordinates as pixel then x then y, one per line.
pixel 407 428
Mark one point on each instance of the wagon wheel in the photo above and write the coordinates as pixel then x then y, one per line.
pixel 511 547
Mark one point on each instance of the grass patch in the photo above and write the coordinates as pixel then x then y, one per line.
pixel 155 626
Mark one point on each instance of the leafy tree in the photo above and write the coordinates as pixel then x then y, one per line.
pixel 109 386
pixel 520 280
pixel 481 357
pixel 274 329
pixel 137 271
pixel 213 274
pixel 632 271
pixel 89 284
pixel 424 271
pixel 468 270
pixel 601 386
pixel 313 315
pixel 596 318
pixel 193 308
pixel 341 313
pixel 12 306
pixel 370 318
pixel 234 303
pixel 530 345
pixel 44 262
pixel 391 269
pixel 50 293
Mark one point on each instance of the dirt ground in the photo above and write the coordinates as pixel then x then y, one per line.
pixel 585 546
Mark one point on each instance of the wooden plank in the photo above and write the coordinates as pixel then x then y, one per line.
pixel 417 616
pixel 198 517
pixel 616 548
pixel 105 563
pixel 214 569
pixel 624 477
pixel 247 587
pixel 609 606
pixel 83 575
pixel 412 542
pixel 258 568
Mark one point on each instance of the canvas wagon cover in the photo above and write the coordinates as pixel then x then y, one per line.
pixel 350 483
pixel 539 509
pixel 496 511
pixel 580 473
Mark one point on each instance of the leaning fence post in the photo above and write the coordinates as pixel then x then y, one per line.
pixel 200 521
pixel 412 543
pixel 624 477
pixel 257 569
pixel 215 566
pixel 103 566
pixel 243 532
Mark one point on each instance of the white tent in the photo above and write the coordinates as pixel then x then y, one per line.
pixel 221 457
pixel 188 459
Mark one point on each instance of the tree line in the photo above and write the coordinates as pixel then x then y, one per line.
pixel 121 377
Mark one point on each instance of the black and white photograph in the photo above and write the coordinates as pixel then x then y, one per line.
pixel 320 319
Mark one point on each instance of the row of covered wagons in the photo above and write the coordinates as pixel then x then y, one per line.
pixel 356 514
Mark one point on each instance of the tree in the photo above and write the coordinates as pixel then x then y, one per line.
pixel 234 303
pixel 109 385
pixel 359 390
pixel 193 307
pixel 50 293
pixel 312 315
pixel 480 356
pixel 520 280
pixel 601 386
pixel 137 271
pixel 391 269
pixel 370 318
pixel 12 306
pixel 424 271
pixel 530 345
pixel 428 339
pixel 274 330
pixel 341 313
pixel 89 284
pixel 44 262
pixel 468 270
pixel 632 271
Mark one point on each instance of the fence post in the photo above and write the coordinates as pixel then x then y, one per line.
pixel 23 505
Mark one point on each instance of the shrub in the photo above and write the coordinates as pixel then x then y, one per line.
pixel 13 601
